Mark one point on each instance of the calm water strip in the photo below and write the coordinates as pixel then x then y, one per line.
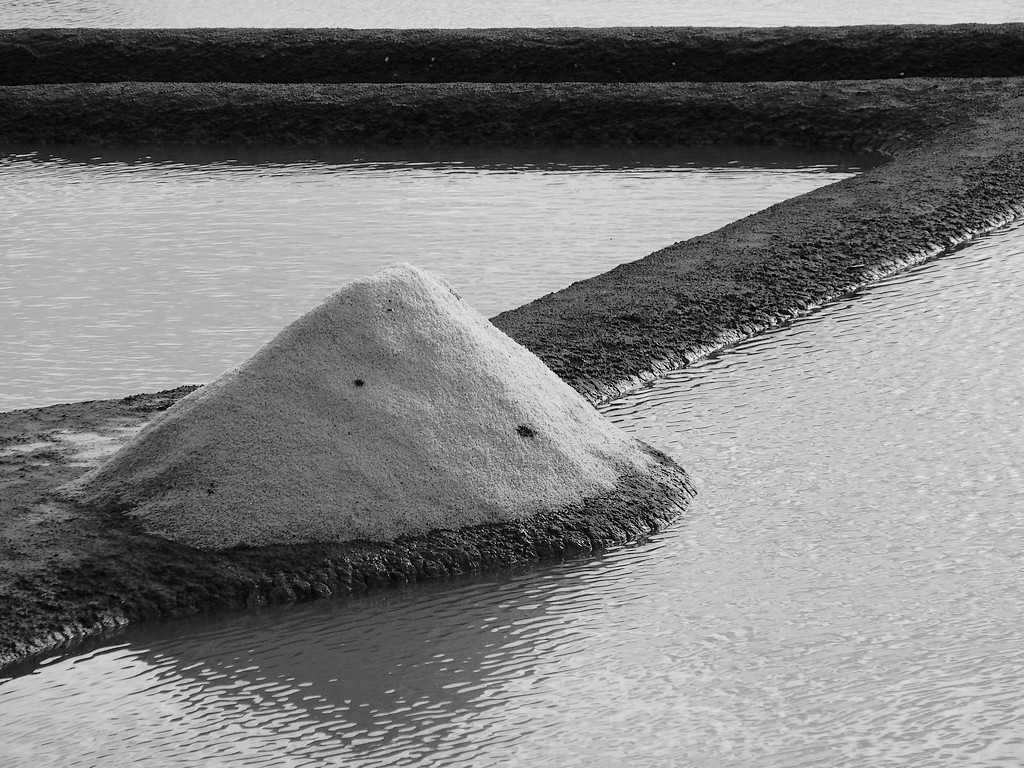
pixel 451 14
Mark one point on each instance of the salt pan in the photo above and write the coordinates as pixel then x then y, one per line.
pixel 390 409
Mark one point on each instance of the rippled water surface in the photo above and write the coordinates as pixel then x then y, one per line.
pixel 846 591
pixel 139 271
pixel 498 13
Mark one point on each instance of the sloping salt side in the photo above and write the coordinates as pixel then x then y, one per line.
pixel 392 408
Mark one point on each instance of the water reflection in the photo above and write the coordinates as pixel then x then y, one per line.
pixel 399 677
pixel 135 271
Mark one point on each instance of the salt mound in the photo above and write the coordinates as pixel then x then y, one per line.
pixel 390 409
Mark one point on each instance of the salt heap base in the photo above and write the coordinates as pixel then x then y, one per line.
pixel 389 411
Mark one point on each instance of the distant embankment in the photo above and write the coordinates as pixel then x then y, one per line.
pixel 852 115
pixel 856 88
pixel 615 55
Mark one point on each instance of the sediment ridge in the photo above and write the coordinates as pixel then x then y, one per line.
pixel 957 169
pixel 517 55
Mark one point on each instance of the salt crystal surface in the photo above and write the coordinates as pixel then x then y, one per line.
pixel 390 409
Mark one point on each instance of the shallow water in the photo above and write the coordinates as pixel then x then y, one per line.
pixel 846 591
pixel 148 269
pixel 499 13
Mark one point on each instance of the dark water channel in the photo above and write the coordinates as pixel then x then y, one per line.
pixel 846 591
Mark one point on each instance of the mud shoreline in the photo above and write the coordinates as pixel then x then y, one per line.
pixel 957 170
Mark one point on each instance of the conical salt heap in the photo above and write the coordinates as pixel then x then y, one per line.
pixel 390 409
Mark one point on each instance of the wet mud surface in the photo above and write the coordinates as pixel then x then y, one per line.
pixel 957 170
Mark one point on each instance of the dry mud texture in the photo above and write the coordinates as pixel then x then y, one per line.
pixel 958 169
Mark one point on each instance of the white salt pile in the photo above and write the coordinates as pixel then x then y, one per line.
pixel 390 409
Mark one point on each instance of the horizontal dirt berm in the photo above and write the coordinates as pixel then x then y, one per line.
pixel 655 54
pixel 854 115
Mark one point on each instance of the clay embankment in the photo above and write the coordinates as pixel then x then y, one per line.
pixel 615 55
pixel 958 169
